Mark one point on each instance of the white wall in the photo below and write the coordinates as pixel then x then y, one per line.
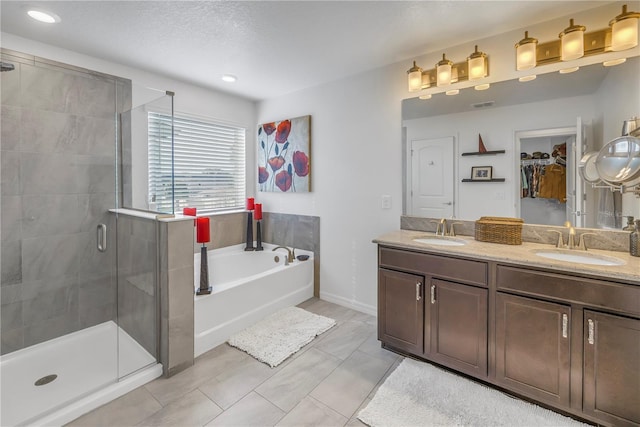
pixel 357 154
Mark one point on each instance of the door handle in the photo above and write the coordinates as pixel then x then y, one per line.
pixel 448 203
pixel 101 237
pixel 418 291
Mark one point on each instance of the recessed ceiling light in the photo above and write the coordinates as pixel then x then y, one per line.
pixel 427 96
pixel 43 16
pixel 569 70
pixel 613 62
pixel 452 92
pixel 527 78
pixel 483 86
pixel 229 78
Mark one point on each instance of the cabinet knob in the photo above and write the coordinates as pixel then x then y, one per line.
pixel 418 291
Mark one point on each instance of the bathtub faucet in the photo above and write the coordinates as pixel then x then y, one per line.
pixel 290 253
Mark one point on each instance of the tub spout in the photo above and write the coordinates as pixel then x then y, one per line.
pixel 289 252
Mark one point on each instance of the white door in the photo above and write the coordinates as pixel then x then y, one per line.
pixel 575 186
pixel 432 177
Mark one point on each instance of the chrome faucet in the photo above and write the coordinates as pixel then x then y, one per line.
pixel 290 253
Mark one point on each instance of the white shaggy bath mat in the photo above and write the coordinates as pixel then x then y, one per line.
pixel 419 394
pixel 278 336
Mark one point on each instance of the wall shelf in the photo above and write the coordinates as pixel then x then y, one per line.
pixel 486 153
pixel 484 180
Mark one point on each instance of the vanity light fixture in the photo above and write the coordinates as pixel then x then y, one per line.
pixel 43 16
pixel 574 42
pixel 527 78
pixel 624 30
pixel 414 78
pixel 443 72
pixel 526 52
pixel 477 63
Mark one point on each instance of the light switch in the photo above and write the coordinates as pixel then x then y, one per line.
pixel 386 201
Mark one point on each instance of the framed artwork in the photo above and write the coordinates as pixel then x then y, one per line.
pixel 481 173
pixel 284 156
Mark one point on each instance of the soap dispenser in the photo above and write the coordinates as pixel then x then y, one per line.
pixel 629 226
pixel 634 240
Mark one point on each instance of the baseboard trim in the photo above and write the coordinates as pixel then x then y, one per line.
pixel 349 303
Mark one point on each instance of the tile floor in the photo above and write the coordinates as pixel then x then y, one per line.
pixel 324 384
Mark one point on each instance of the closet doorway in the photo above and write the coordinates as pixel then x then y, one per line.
pixel 550 192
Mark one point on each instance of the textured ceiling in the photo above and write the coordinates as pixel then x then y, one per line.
pixel 273 47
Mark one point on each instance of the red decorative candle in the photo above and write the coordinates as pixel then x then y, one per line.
pixel 202 229
pixel 189 211
pixel 257 214
pixel 250 204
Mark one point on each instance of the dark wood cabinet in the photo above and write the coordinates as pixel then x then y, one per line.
pixel 612 368
pixel 457 319
pixel 533 347
pixel 570 341
pixel 401 310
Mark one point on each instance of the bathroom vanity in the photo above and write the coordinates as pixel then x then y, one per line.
pixel 563 334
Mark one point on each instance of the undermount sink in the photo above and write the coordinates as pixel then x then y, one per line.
pixel 440 241
pixel 578 257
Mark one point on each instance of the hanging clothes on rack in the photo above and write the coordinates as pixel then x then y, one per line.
pixel 553 183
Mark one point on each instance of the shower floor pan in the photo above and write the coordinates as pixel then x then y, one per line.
pixel 86 365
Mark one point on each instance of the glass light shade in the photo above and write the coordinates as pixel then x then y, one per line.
pixel 624 34
pixel 443 72
pixel 526 52
pixel 414 78
pixel 572 40
pixel 477 65
pixel 454 75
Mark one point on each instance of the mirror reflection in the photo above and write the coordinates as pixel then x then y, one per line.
pixel 538 131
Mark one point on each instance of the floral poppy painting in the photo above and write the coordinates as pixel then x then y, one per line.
pixel 284 156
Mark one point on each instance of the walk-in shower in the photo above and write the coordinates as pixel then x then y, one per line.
pixel 79 319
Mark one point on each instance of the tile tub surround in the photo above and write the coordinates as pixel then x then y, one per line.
pixel 326 383
pixel 58 165
pixel 518 254
pixel 610 240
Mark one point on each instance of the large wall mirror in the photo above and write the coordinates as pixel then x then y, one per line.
pixel 559 116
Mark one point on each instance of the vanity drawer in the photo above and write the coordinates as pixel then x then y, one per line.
pixel 590 292
pixel 461 270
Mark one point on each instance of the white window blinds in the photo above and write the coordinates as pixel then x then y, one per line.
pixel 208 164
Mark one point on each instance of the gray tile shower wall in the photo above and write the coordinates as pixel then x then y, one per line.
pixel 57 183
pixel 137 279
pixel 176 240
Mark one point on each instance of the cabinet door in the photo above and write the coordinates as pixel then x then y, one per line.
pixel 458 323
pixel 533 348
pixel 400 310
pixel 612 368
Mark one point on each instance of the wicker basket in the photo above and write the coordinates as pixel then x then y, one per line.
pixel 507 231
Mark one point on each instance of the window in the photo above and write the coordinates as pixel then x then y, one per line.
pixel 208 164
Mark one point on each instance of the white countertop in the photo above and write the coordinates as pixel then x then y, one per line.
pixel 517 254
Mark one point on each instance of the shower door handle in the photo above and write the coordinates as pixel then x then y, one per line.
pixel 102 237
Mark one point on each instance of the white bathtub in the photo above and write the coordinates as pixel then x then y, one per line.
pixel 247 286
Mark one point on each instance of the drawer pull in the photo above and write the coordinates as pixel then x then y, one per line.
pixel 433 294
pixel 418 291
pixel 591 338
pixel 565 326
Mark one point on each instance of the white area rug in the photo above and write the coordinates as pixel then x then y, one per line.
pixel 419 394
pixel 278 336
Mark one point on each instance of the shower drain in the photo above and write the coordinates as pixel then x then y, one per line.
pixel 46 380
